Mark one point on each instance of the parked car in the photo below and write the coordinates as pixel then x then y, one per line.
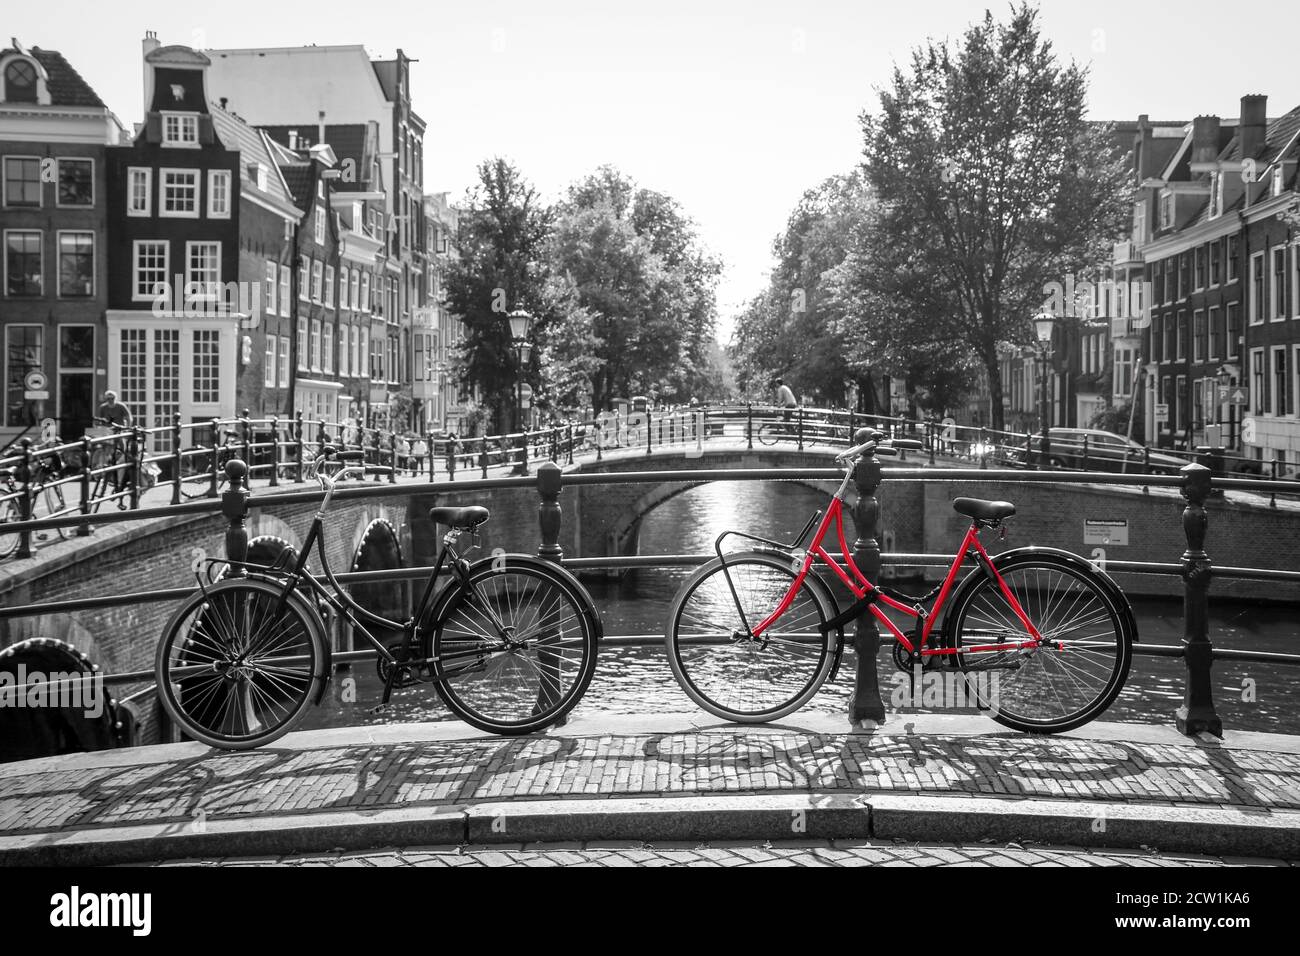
pixel 1105 451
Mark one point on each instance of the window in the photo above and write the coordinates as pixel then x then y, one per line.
pixel 302 343
pixel 1234 258
pixel 1181 353
pixel 76 264
pixel 22 176
pixel 1166 209
pixel 1216 262
pixel 1200 336
pixel 285 275
pixel 1182 407
pixel 364 355
pixel 1295 282
pixel 329 286
pixel 327 348
pixel 1155 338
pixel 1277 286
pixel 1257 382
pixel 207 367
pixel 1257 288
pixel 317 278
pixel 319 225
pixel 203 270
pixel 1199 268
pixel 344 368
pixel 271 280
pixel 24 353
pixel 304 289
pixel 20 82
pixel 1233 346
pixel 1183 276
pixel 218 194
pixel 76 182
pixel 151 259
pixel 420 360
pixel 180 193
pixel 24 266
pixel 139 193
pixel 1216 333
pixel 365 291
pixel 268 372
pixel 1216 195
pixel 1123 372
pixel 181 130
pixel 315 345
pixel 1276 185
pixel 284 361
pixel 1282 402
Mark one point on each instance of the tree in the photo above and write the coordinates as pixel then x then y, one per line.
pixel 503 231
pixel 991 184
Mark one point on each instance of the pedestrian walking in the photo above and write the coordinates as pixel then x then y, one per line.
pixel 419 449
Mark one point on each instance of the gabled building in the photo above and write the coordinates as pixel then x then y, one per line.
pixel 54 135
pixel 441 405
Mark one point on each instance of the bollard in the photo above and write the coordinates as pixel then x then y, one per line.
pixel 234 505
pixel 177 459
pixel 137 466
pixel 865 704
pixel 298 451
pixel 275 451
pixel 25 503
pixel 83 530
pixel 1197 713
pixel 550 481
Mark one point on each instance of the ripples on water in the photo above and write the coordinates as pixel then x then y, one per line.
pixel 638 679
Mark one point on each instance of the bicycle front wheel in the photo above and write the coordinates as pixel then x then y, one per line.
pixel 1069 679
pixel 721 666
pixel 514 647
pixel 238 665
pixel 768 433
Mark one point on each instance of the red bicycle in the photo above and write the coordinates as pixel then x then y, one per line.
pixel 752 635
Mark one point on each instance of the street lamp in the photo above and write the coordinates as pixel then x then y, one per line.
pixel 1044 323
pixel 521 323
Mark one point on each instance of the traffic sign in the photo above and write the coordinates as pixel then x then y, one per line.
pixel 1234 394
pixel 35 381
pixel 1162 412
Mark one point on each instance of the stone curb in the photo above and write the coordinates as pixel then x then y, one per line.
pixel 1226 832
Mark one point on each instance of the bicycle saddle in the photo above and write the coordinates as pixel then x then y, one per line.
pixel 982 510
pixel 462 519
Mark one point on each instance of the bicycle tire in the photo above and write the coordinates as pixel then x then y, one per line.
pixel 768 433
pixel 10 541
pixel 194 663
pixel 55 505
pixel 772 677
pixel 1093 666
pixel 534 598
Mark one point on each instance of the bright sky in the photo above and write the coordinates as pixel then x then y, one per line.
pixel 733 107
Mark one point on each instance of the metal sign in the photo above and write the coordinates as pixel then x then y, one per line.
pixel 49 431
pixel 36 396
pixel 1234 395
pixel 1162 412
pixel 1105 531
pixel 35 381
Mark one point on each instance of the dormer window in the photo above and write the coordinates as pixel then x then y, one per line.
pixel 1216 195
pixel 20 82
pixel 1277 180
pixel 181 130
pixel 1166 209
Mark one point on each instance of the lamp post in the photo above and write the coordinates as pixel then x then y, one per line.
pixel 1044 323
pixel 520 324
pixel 1227 377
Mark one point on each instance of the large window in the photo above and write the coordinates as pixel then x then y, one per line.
pixel 315 345
pixel 1234 258
pixel 22 175
pixel 1199 268
pixel 219 194
pixel 302 343
pixel 1258 382
pixel 181 129
pixel 1183 274
pixel 304 278
pixel 329 287
pixel 327 348
pixel 1200 336
pixel 1277 284
pixel 203 270
pixel 207 367
pixel 1216 262
pixel 1216 333
pixel 356 291
pixel 180 194
pixel 76 182
pixel 1123 372
pixel 1181 352
pixel 345 367
pixel 365 292
pixel 319 225
pixel 285 276
pixel 317 279
pixel 268 370
pixel 20 82
pixel 24 349
pixel 1257 288
pixel 365 353
pixel 270 290
pixel 1232 348
pixel 284 361
pixel 24 268
pixel 76 264
pixel 139 192
pixel 1281 401
pixel 150 258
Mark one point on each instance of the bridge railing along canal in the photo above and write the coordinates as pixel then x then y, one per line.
pixel 1195 482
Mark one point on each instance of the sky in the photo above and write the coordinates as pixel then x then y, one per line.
pixel 732 107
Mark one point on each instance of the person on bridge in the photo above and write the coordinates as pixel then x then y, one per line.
pixel 786 400
pixel 113 413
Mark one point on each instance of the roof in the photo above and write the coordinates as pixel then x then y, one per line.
pixel 1280 140
pixel 253 147
pixel 386 71
pixel 300 180
pixel 348 140
pixel 65 84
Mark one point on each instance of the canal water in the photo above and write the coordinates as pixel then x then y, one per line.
pixel 635 680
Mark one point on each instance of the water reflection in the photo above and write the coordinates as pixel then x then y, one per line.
pixel 638 680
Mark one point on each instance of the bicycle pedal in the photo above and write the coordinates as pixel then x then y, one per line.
pixel 378 710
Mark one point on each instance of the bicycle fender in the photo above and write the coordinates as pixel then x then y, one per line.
pixel 1106 582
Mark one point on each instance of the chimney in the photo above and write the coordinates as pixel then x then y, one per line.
pixel 1254 120
pixel 293 140
pixel 148 45
pixel 223 102
pixel 320 129
pixel 1205 139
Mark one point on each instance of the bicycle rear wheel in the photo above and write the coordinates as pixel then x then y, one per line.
pixel 730 674
pixel 236 666
pixel 1063 683
pixel 515 647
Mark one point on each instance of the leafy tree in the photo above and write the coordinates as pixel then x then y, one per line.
pixel 991 185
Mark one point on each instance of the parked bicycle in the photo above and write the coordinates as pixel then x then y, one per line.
pixel 751 636
pixel 510 641
pixel 47 499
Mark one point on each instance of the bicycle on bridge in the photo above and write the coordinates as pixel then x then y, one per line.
pixel 510 641
pixel 752 635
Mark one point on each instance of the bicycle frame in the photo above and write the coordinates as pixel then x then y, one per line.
pixel 870 597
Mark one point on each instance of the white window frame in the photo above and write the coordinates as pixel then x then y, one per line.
pixel 302 343
pixel 284 361
pixel 58 271
pixel 212 294
pixel 286 275
pixel 216 176
pixel 317 280
pixel 365 292
pixel 1277 285
pixel 131 209
pixel 45 286
pixel 4 182
pixel 272 362
pixel 1214 314
pixel 1277 403
pixel 327 348
pixel 163 211
pixel 318 224
pixel 58 171
pixel 1257 379
pixel 1255 308
pixel 136 295
pixel 304 279
pixel 315 345
pixel 329 287
pixel 1165 207
pixel 272 281
pixel 344 365
pixel 184 122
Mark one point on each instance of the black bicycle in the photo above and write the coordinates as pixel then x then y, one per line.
pixel 510 641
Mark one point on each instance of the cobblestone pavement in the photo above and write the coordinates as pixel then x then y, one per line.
pixel 749 853
pixel 37 798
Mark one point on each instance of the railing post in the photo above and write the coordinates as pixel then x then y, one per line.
pixel 216 452
pixel 848 439
pixel 649 430
pixel 984 447
pixel 1085 452
pixel 799 426
pixel 1197 713
pixel 570 444
pixel 178 460
pixel 392 454
pixel 83 530
pixel 137 466
pixel 428 443
pixel 244 428
pixel 1272 498
pixel 25 502
pixel 483 456
pixel 749 423
pixel 275 451
pixel 865 704
pixel 298 446
pixel 234 505
pixel 550 481
pixel 932 428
